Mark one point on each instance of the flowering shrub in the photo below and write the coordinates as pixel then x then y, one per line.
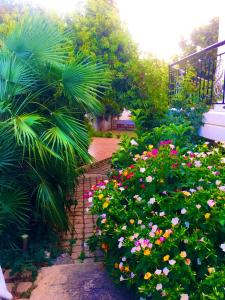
pixel 161 222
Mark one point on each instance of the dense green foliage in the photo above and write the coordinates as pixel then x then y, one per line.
pixel 44 93
pixel 161 220
pixel 98 33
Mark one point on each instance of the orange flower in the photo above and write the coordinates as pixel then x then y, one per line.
pixel 116 265
pixel 127 269
pixel 187 261
pixel 158 242
pixel 131 221
pixel 166 235
pixel 147 252
pixel 147 275
pixel 211 270
pixel 166 257
pixel 105 247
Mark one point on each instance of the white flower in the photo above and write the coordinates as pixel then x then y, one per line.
pixel 198 261
pixel 124 258
pixel 192 190
pixel 172 262
pixel 120 245
pixel 139 222
pixel 149 179
pixel 171 146
pixel 198 206
pixel 151 201
pixel 158 272
pixel 158 286
pixel 162 213
pixel 184 297
pixel 142 170
pixel 183 211
pixel 133 142
pixel 223 160
pixel 122 278
pixel 175 221
pixel 122 189
pixel 222 188
pixel 166 271
pixel 222 246
pixel 90 199
pixel 218 182
pixel 197 163
pixel 124 227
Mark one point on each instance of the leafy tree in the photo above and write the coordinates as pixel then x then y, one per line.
pixel 98 33
pixel 151 83
pixel 44 93
pixel 201 37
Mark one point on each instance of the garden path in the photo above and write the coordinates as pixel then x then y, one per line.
pixel 85 280
pixel 83 223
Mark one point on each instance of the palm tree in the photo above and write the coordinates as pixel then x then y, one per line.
pixel 44 93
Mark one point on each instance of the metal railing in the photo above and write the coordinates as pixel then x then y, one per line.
pixel 208 74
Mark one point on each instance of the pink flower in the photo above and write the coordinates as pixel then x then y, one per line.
pixel 173 152
pixel 155 151
pixel 211 203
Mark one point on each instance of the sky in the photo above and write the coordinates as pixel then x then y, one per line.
pixel 155 25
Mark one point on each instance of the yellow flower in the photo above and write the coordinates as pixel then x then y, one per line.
pixel 207 216
pixel 166 257
pixel 125 173
pixel 166 235
pixel 105 204
pixel 161 180
pixel 127 269
pixel 116 265
pixel 147 252
pixel 183 254
pixel 150 147
pixel 147 275
pixel 186 193
pixel 211 270
pixel 158 242
pixel 100 196
pixel 131 221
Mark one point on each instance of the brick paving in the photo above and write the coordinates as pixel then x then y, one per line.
pixel 82 222
pixel 102 148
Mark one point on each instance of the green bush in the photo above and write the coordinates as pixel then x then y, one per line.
pixel 161 222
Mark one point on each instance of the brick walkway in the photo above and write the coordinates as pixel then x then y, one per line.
pixel 102 148
pixel 83 223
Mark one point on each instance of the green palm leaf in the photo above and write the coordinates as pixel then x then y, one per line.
pixel 14 208
pixel 68 136
pixel 82 82
pixel 37 39
pixel 15 77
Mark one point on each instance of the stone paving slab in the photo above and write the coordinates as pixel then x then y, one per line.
pixel 79 281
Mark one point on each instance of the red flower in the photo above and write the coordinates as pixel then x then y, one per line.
pixel 142 186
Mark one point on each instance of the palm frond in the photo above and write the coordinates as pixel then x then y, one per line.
pixel 50 206
pixel 40 40
pixel 14 208
pixel 15 77
pixel 69 134
pixel 82 81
